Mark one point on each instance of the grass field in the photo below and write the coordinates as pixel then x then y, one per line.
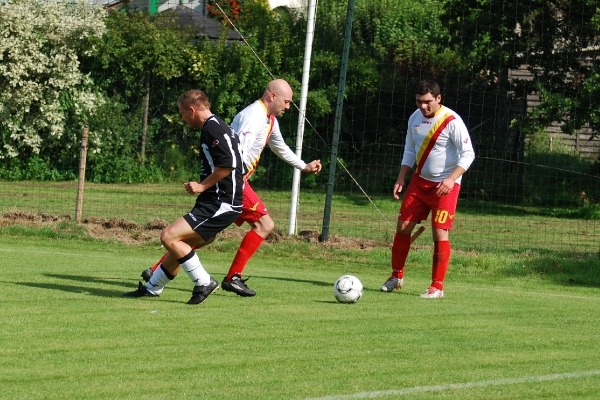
pixel 479 226
pixel 513 325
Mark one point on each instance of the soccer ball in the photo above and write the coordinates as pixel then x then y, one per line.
pixel 348 289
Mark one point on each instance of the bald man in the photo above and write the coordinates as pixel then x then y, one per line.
pixel 257 127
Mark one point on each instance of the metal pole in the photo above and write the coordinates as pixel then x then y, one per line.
pixel 337 122
pixel 81 180
pixel 310 30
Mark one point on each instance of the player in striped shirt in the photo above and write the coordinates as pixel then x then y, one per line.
pixel 439 149
pixel 218 205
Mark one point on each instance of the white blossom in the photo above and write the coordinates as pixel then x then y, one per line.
pixel 39 43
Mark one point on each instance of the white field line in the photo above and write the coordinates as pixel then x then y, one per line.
pixel 458 386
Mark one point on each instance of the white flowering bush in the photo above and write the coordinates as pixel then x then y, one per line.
pixel 40 79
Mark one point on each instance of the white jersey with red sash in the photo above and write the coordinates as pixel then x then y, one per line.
pixel 437 145
pixel 256 129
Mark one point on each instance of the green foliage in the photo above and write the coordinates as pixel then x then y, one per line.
pixel 112 155
pixel 128 59
pixel 134 45
pixel 467 45
pixel 231 74
pixel 34 169
pixel 555 40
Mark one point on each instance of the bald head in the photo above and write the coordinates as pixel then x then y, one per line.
pixel 277 97
pixel 279 86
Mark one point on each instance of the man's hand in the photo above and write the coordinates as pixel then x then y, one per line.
pixel 444 187
pixel 313 166
pixel 193 187
pixel 400 181
pixel 397 188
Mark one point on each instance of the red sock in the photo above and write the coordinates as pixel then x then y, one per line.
pixel 441 259
pixel 400 250
pixel 248 247
pixel 155 266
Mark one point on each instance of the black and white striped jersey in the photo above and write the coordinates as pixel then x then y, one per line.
pixel 220 147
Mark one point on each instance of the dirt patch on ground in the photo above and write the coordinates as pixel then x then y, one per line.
pixel 133 233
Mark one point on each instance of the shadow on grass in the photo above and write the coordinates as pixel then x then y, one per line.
pixel 73 289
pixel 127 285
pixel 330 285
pixel 316 283
pixel 90 279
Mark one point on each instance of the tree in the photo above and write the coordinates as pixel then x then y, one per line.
pixel 41 86
pixel 557 40
pixel 138 50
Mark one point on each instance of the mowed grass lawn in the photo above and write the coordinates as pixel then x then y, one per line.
pixel 505 330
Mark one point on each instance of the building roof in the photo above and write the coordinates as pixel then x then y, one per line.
pixel 203 25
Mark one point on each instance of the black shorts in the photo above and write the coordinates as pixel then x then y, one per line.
pixel 209 218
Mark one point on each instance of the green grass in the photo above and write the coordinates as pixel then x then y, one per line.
pixel 479 226
pixel 512 325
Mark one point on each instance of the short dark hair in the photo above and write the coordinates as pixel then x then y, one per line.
pixel 194 98
pixel 428 86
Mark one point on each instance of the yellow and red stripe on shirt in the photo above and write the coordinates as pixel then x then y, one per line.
pixel 431 138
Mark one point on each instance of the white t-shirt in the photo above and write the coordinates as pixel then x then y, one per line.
pixel 256 129
pixel 437 159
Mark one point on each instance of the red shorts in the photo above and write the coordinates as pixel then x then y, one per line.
pixel 252 207
pixel 420 199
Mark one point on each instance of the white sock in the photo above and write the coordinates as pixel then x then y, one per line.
pixel 193 267
pixel 159 280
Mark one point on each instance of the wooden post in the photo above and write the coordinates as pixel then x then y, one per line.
pixel 145 120
pixel 81 180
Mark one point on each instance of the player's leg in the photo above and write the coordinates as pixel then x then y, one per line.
pixel 147 273
pixel 412 211
pixel 260 229
pixel 174 238
pixel 255 213
pixel 214 216
pixel 400 249
pixel 443 216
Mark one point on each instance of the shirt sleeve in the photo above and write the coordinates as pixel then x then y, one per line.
pixel 283 151
pixel 410 152
pixel 459 135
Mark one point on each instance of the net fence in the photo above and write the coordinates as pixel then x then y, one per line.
pixel 534 183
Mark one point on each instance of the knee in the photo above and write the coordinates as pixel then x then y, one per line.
pixel 264 226
pixel 405 227
pixel 166 237
pixel 269 224
pixel 440 235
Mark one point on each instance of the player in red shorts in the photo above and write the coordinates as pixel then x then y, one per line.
pixel 256 126
pixel 439 146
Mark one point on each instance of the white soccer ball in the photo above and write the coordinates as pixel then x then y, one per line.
pixel 348 289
